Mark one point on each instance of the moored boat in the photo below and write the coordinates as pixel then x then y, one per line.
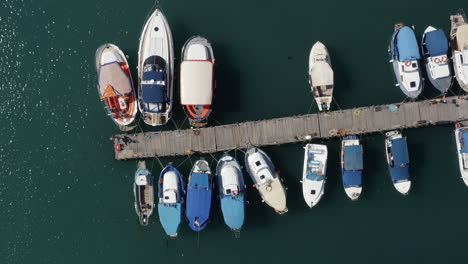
pixel 231 189
pixel 405 58
pixel 459 41
pixel 321 76
pixel 143 191
pixel 171 194
pixel 434 47
pixel 197 80
pixel 115 86
pixel 396 150
pixel 266 179
pixel 352 166
pixel 199 193
pixel 314 173
pixel 461 138
pixel 156 70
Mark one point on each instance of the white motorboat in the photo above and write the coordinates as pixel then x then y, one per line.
pixel 314 173
pixel 321 76
pixel 459 40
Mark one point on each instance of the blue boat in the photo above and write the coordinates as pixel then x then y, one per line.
pixel 144 193
pixel 398 161
pixel 171 194
pixel 199 193
pixel 352 166
pixel 231 189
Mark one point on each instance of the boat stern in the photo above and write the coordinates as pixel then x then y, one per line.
pixel 403 187
pixel 353 192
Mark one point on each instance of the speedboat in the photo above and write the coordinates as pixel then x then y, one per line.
pixel 461 137
pixel 314 173
pixel 352 166
pixel 459 40
pixel 396 150
pixel 231 189
pixel 321 76
pixel 266 179
pixel 156 70
pixel 144 193
pixel 197 80
pixel 199 193
pixel 115 86
pixel 171 194
pixel 434 46
pixel 405 57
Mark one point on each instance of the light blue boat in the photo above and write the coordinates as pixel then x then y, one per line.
pixel 199 192
pixel 171 194
pixel 231 189
pixel 352 166
pixel 398 161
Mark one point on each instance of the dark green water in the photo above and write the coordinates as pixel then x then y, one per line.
pixel 63 198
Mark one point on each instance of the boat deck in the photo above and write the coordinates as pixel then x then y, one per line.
pixel 292 129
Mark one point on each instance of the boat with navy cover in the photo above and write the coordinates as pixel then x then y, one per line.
pixel 115 86
pixel 144 193
pixel 156 70
pixel 171 194
pixel 266 179
pixel 434 47
pixel 321 76
pixel 404 52
pixel 461 138
pixel 197 80
pixel 231 189
pixel 199 191
pixel 352 166
pixel 314 173
pixel 459 41
pixel 396 150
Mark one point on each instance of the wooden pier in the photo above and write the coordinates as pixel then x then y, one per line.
pixel 291 129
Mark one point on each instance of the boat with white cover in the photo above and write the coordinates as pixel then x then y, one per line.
pixel 197 80
pixel 396 151
pixel 314 173
pixel 156 70
pixel 143 191
pixel 461 138
pixel 352 166
pixel 171 194
pixel 266 179
pixel 321 76
pixel 459 40
pixel 404 52
pixel 434 47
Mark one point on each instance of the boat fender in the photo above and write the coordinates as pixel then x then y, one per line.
pixel 268 188
pixel 444 59
pixel 407 63
pixel 254 185
pixel 342 132
pixel 118 147
pixel 357 112
pixel 437 60
pixel 458 125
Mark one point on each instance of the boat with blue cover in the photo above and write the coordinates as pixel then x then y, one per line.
pixel 434 47
pixel 314 173
pixel 352 166
pixel 404 52
pixel 156 70
pixel 199 192
pixel 171 194
pixel 461 138
pixel 398 161
pixel 459 41
pixel 231 188
pixel 143 191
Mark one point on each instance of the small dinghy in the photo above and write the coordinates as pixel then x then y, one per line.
pixel 314 174
pixel 144 193
pixel 266 179
pixel 434 46
pixel 459 40
pixel 231 189
pixel 197 80
pixel 461 136
pixel 398 161
pixel 115 86
pixel 156 70
pixel 352 166
pixel 321 76
pixel 199 192
pixel 171 193
pixel 404 52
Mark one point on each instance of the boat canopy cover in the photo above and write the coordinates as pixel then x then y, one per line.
pixel 153 76
pixel 233 208
pixel 321 74
pixel 407 45
pixel 153 93
pixel 198 206
pixel 196 83
pixel 462 37
pixel 112 74
pixel 400 151
pixel 199 181
pixel 353 157
pixel 399 173
pixel 465 142
pixel 352 178
pixel 170 217
pixel 436 43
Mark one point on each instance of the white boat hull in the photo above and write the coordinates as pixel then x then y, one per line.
pixel 313 190
pixel 461 156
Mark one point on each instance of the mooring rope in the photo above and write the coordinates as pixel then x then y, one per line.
pixel 180 164
pixel 333 98
pixel 311 105
pixel 219 123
